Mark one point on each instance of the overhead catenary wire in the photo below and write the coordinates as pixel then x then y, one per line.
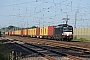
pixel 39 8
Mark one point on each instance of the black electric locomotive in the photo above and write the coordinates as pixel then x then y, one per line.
pixel 63 32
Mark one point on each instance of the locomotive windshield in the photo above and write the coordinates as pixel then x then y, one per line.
pixel 67 29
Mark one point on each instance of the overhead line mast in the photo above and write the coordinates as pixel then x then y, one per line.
pixel 66 19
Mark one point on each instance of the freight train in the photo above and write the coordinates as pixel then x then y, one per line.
pixel 59 32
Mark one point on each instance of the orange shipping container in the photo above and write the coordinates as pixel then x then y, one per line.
pixel 6 33
pixel 25 32
pixel 16 32
pixel 50 30
pixel 12 32
pixel 37 31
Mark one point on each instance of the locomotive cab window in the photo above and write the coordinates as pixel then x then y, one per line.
pixel 67 28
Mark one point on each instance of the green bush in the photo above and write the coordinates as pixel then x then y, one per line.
pixel 83 40
pixel 3 52
pixel 75 38
pixel 80 39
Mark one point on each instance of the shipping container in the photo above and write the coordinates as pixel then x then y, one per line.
pixel 13 33
pixel 19 32
pixel 30 32
pixel 10 32
pixel 50 30
pixel 46 31
pixel 37 31
pixel 16 32
pixel 41 31
pixel 34 31
pixel 6 33
pixel 25 32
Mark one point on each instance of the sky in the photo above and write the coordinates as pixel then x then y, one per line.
pixel 28 13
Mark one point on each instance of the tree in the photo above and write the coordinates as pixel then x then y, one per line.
pixel 33 27
pixel 11 27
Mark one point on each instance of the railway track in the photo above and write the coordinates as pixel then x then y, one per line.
pixel 84 48
pixel 59 45
pixel 67 45
pixel 45 52
pixel 77 46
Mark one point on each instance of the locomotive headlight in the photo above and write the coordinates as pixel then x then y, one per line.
pixel 67 33
pixel 70 34
pixel 64 34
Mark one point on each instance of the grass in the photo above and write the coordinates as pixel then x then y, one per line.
pixel 3 52
pixel 83 40
pixel 80 39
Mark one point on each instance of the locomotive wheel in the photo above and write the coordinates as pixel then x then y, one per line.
pixel 69 40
